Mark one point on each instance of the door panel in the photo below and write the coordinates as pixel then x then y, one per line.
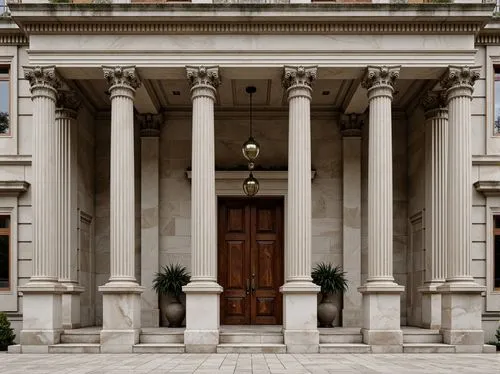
pixel 251 260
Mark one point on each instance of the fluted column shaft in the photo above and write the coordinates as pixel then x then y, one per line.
pixel 459 86
pixel 204 82
pixel 44 84
pixel 436 159
pixel 298 223
pixel 380 212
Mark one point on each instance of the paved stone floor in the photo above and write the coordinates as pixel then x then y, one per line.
pixel 249 363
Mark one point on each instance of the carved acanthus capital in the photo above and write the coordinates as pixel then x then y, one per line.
pixel 67 99
pixel 434 100
pixel 150 124
pixel 203 75
pixel 122 76
pixel 460 76
pixel 44 76
pixel 299 76
pixel 351 124
pixel 380 76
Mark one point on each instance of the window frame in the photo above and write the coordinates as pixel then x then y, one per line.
pixel 494 233
pixel 496 67
pixel 9 298
pixel 8 231
pixel 492 293
pixel 9 96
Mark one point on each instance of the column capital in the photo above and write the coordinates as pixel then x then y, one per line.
pixel 122 76
pixel 299 76
pixel 380 76
pixel 42 77
pixel 434 104
pixel 203 76
pixel 67 104
pixel 150 124
pixel 351 124
pixel 460 77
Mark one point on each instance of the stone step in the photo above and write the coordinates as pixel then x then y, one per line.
pixel 487 348
pixel 428 348
pixel 158 348
pixel 422 336
pixel 250 338
pixel 161 337
pixel 340 338
pixel 81 338
pixel 251 348
pixel 75 348
pixel 344 348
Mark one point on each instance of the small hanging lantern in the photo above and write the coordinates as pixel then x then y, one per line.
pixel 251 150
pixel 251 185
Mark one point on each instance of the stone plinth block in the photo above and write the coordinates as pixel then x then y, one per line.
pixel 300 321
pixel 431 307
pixel 382 315
pixel 461 316
pixel 71 307
pixel 202 316
pixel 121 317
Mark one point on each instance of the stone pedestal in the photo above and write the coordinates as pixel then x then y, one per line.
pixel 203 292
pixel 381 295
pixel 42 303
pixel 461 295
pixel 299 293
pixel 352 315
pixel 121 295
pixel 150 196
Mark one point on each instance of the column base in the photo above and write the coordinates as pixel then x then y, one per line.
pixel 42 314
pixel 121 317
pixel 150 317
pixel 71 306
pixel 300 323
pixel 431 306
pixel 382 317
pixel 202 317
pixel 461 315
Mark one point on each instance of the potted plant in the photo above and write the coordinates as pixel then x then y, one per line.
pixel 169 281
pixel 6 332
pixel 332 280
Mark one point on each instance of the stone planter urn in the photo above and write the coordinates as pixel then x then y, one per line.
pixel 175 313
pixel 327 311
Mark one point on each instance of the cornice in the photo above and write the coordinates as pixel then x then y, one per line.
pixel 488 188
pixel 488 39
pixel 13 39
pixel 13 188
pixel 146 27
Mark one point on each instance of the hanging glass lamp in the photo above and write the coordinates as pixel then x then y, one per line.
pixel 251 185
pixel 251 150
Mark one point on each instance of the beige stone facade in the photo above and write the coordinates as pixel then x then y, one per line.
pixel 378 186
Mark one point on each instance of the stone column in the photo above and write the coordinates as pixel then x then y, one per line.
pixel 381 295
pixel 299 293
pixel 122 294
pixel 461 295
pixel 150 196
pixel 66 218
pixel 436 158
pixel 42 300
pixel 352 315
pixel 202 293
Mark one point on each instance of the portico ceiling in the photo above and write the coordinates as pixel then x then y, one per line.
pixel 344 95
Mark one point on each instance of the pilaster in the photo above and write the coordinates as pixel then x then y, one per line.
pixel 381 295
pixel 202 293
pixel 67 106
pixel 42 302
pixel 461 295
pixel 150 154
pixel 351 230
pixel 436 164
pixel 299 293
pixel 122 294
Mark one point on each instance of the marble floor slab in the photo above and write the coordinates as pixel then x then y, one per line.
pixel 249 363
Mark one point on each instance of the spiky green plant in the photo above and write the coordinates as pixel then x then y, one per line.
pixel 170 279
pixel 7 335
pixel 330 278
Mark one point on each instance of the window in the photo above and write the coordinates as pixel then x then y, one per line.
pixel 4 252
pixel 4 100
pixel 496 251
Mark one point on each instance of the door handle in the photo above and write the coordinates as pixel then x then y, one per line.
pixel 248 286
pixel 253 283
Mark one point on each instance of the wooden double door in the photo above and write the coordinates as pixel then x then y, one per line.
pixel 250 260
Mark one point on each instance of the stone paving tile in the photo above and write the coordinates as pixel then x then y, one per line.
pixel 250 364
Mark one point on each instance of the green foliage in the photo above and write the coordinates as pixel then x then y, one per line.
pixel 170 280
pixel 330 278
pixel 6 332
pixel 497 335
pixel 4 122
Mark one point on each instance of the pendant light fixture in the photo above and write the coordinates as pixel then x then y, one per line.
pixel 251 150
